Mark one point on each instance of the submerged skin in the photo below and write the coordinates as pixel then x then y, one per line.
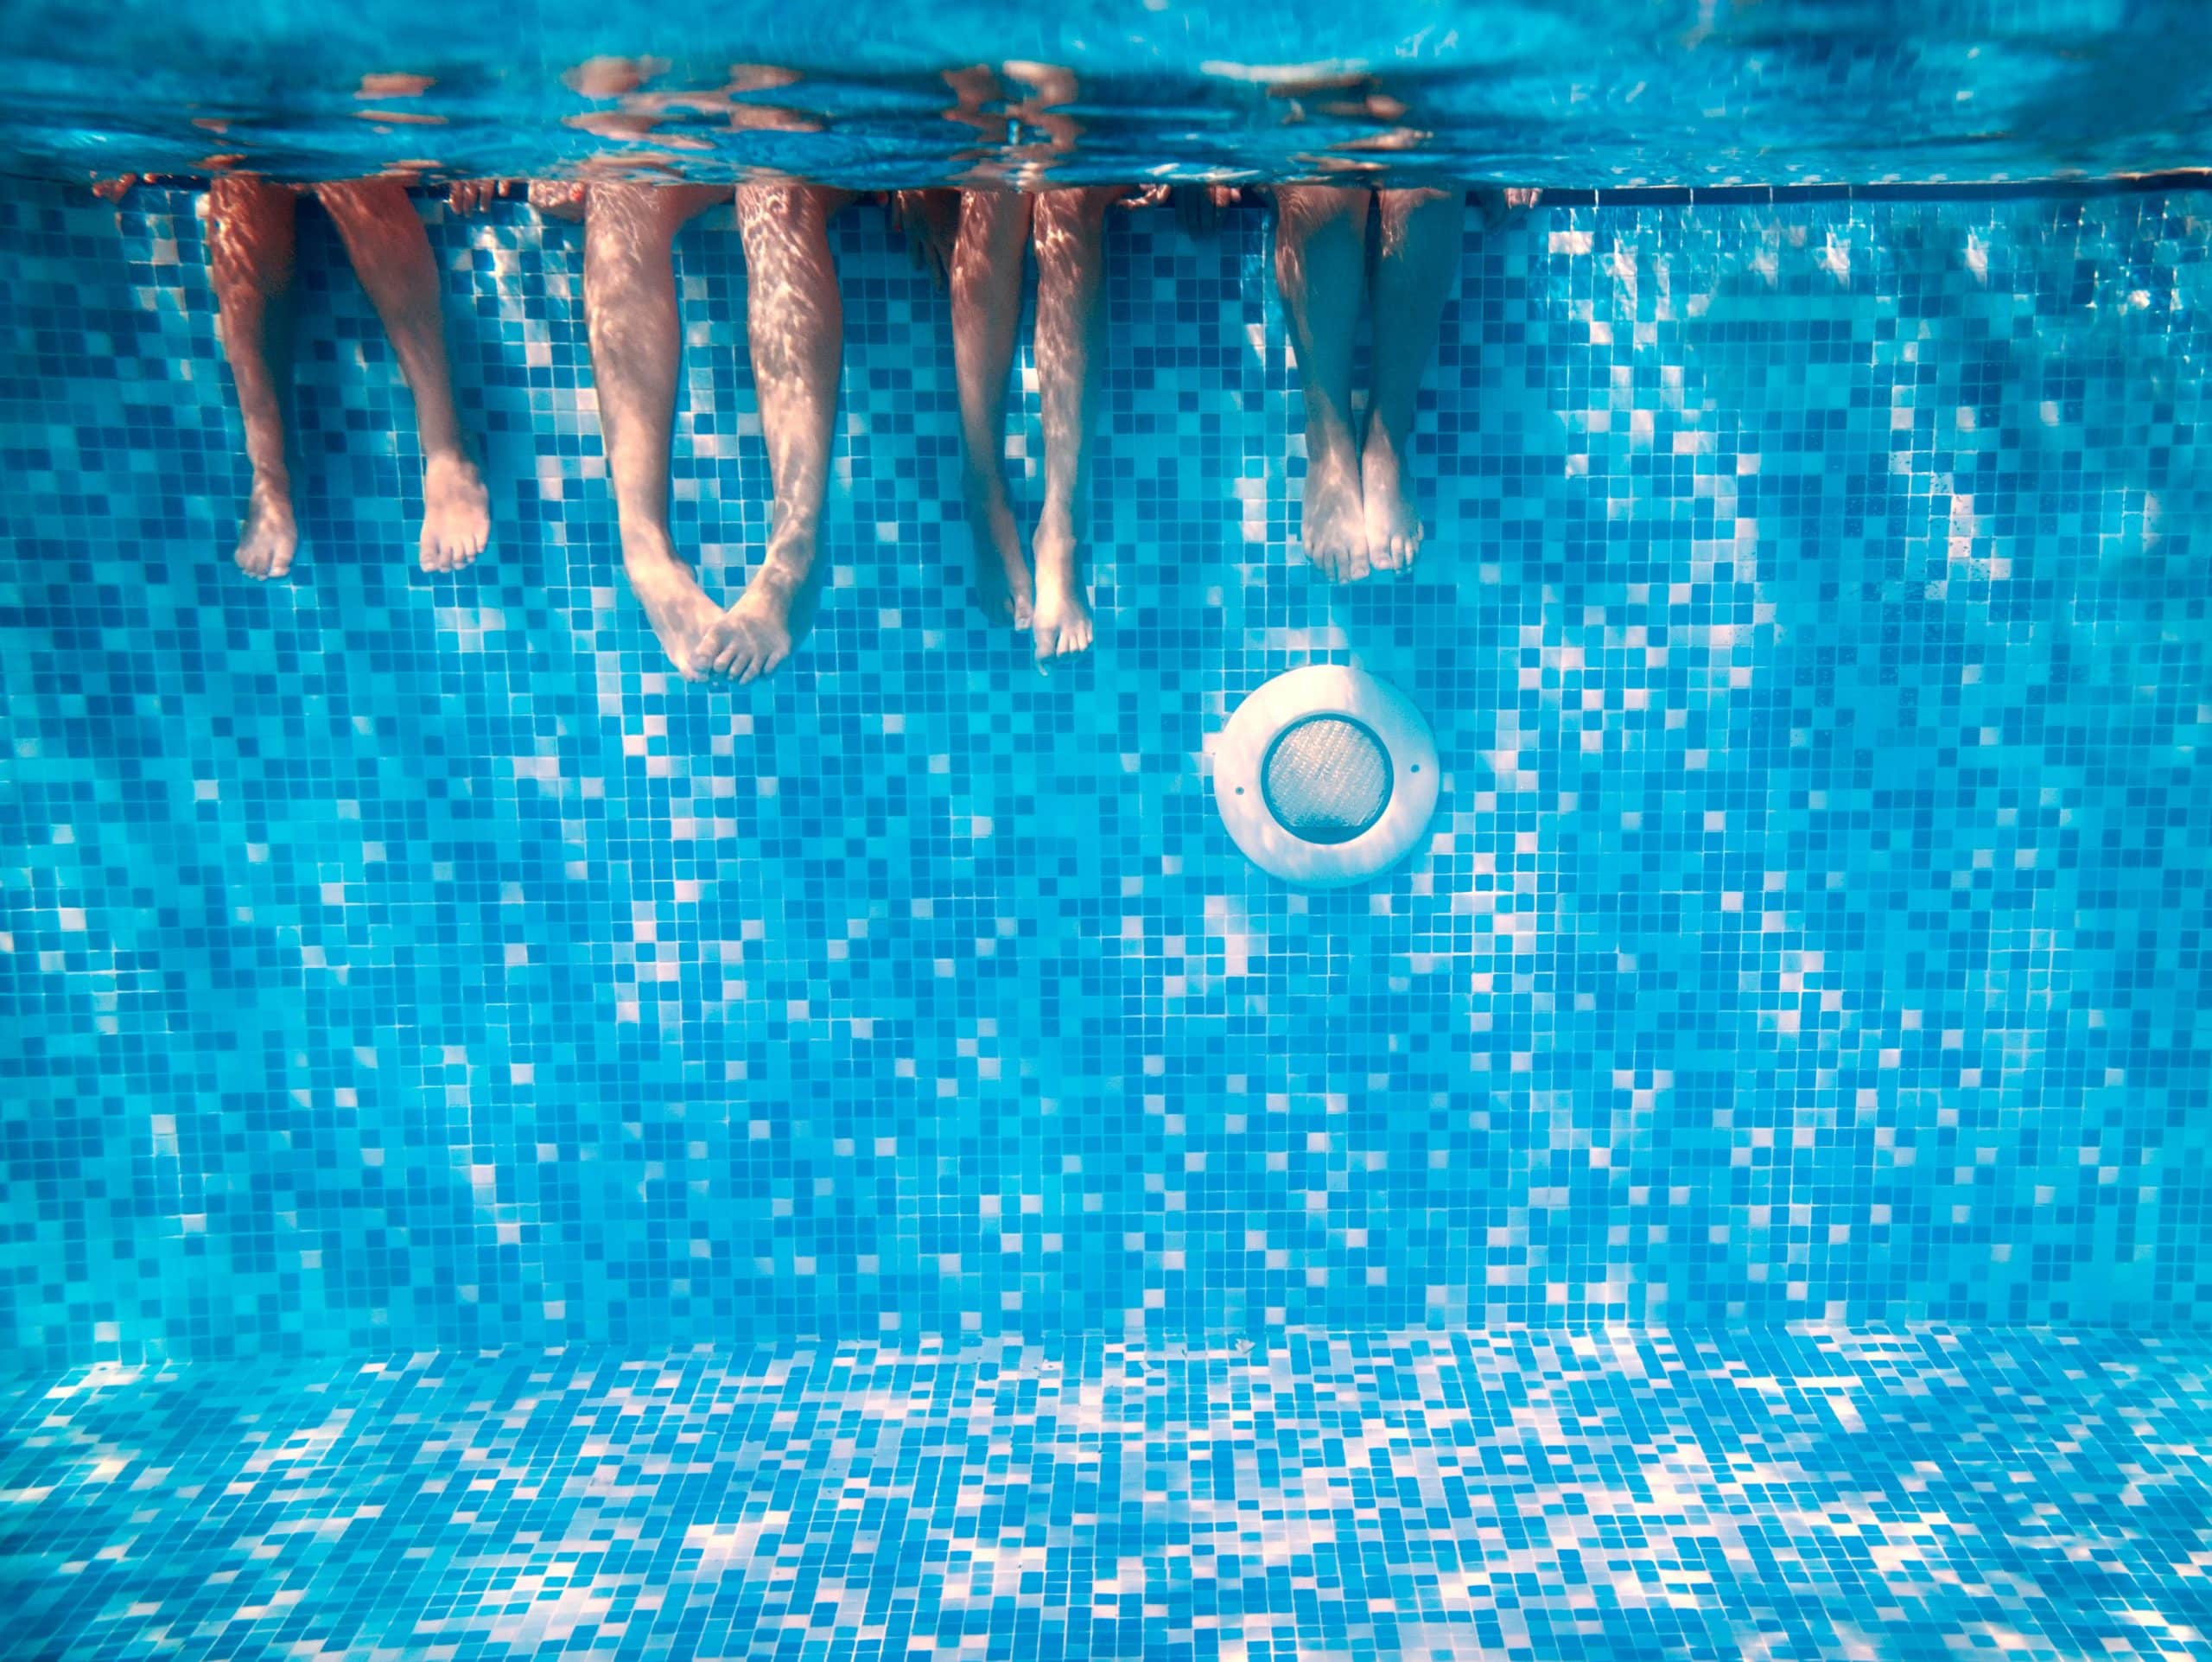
pixel 251 241
pixel 1358 509
pixel 796 332
pixel 1067 228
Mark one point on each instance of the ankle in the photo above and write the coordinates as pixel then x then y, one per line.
pixel 648 548
pixel 1384 438
pixel 791 545
pixel 779 576
pixel 1333 446
pixel 1055 539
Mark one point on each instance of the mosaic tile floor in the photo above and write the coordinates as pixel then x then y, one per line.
pixel 1509 1494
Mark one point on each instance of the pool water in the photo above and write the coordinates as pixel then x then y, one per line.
pixel 1582 93
pixel 500 1146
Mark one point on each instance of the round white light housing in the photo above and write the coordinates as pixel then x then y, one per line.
pixel 1326 776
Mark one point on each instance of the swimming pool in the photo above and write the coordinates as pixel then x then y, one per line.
pixel 502 1147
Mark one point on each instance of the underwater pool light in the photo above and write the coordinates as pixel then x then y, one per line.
pixel 1325 776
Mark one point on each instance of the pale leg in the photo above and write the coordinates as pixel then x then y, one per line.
pixel 392 256
pixel 250 244
pixel 986 266
pixel 1070 233
pixel 1413 276
pixel 795 321
pixel 1321 268
pixel 629 315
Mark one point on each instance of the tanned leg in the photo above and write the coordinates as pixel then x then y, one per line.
pixel 392 256
pixel 1070 233
pixel 986 266
pixel 1320 269
pixel 1413 276
pixel 629 315
pixel 250 242
pixel 796 324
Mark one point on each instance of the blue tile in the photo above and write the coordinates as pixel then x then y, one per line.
pixel 1814 628
pixel 1515 1493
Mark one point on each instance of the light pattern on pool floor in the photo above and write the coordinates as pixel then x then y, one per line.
pixel 1509 1494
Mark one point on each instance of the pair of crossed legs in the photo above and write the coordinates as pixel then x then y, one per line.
pixel 796 328
pixel 250 243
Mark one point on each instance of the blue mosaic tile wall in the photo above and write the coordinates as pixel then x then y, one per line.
pixel 1812 923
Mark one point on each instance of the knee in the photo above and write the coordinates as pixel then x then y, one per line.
pixel 1303 210
pixel 786 233
pixel 782 206
pixel 1401 205
pixel 1077 212
pixel 1070 228
pixel 626 226
pixel 368 208
pixel 250 236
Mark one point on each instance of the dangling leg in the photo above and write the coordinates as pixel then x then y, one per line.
pixel 1414 277
pixel 630 316
pixel 987 263
pixel 1070 232
pixel 1320 269
pixel 392 256
pixel 796 323
pixel 250 242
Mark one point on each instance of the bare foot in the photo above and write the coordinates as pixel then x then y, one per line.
pixel 753 637
pixel 756 634
pixel 1000 584
pixel 1334 529
pixel 679 607
pixel 456 512
pixel 269 537
pixel 1061 623
pixel 1394 528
